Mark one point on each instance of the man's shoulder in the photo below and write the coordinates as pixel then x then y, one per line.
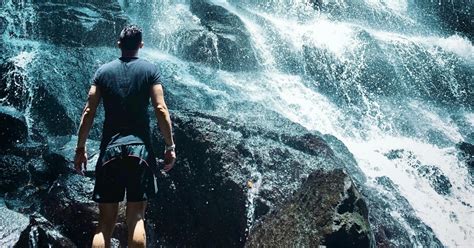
pixel 146 63
pixel 106 67
pixel 109 65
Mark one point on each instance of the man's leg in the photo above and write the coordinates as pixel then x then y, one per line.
pixel 136 224
pixel 107 219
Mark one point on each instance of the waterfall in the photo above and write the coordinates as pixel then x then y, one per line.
pixel 399 98
pixel 386 79
pixel 396 90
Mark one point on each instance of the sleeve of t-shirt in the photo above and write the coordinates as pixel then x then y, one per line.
pixel 155 76
pixel 96 79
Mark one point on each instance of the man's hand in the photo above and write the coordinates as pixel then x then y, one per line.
pixel 170 158
pixel 79 159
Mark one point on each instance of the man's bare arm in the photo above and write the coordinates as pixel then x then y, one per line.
pixel 161 113
pixel 87 118
pixel 88 114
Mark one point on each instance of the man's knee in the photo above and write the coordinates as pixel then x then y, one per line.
pixel 135 211
pixel 137 242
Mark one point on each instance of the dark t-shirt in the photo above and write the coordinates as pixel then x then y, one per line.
pixel 125 87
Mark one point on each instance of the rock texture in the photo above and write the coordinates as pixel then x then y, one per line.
pixel 13 173
pixel 228 39
pixel 42 233
pixel 224 163
pixel 326 210
pixel 12 224
pixel 13 129
pixel 79 23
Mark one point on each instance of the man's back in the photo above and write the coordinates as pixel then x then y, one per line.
pixel 125 86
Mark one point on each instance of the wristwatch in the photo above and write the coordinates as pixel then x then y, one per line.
pixel 170 148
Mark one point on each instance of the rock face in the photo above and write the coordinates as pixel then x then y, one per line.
pixel 326 210
pixel 455 16
pixel 60 158
pixel 11 226
pixel 222 165
pixel 69 205
pixel 41 233
pixel 13 129
pixel 78 23
pixel 228 39
pixel 13 173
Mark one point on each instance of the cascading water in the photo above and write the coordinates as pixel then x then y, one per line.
pixel 396 90
pixel 382 76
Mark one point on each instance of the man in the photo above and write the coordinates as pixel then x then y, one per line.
pixel 126 162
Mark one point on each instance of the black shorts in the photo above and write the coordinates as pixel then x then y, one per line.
pixel 124 175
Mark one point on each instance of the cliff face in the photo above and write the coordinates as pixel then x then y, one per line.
pixel 248 174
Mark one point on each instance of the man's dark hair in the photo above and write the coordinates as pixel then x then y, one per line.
pixel 130 37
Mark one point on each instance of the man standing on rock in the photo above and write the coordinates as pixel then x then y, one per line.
pixel 126 162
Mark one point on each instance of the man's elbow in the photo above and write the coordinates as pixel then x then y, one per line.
pixel 161 109
pixel 89 112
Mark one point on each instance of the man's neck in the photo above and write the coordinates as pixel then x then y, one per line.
pixel 129 53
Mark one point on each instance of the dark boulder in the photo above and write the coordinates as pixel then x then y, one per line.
pixel 49 110
pixel 11 226
pixel 3 24
pixel 60 158
pixel 227 40
pixel 228 175
pixel 327 210
pixel 13 173
pixel 69 205
pixel 467 155
pixel 13 88
pixel 26 200
pixel 13 127
pixel 41 233
pixel 454 16
pixel 79 23
pixel 40 172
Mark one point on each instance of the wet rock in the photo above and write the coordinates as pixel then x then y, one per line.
pixel 326 210
pixel 467 155
pixel 363 12
pixel 341 151
pixel 455 16
pixel 40 172
pixel 228 39
pixel 26 200
pixel 11 225
pixel 29 149
pixel 390 230
pixel 437 179
pixel 69 205
pixel 467 150
pixel 41 233
pixel 60 158
pixel 13 89
pixel 47 108
pixel 3 24
pixel 13 173
pixel 222 164
pixel 77 23
pixel 13 129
